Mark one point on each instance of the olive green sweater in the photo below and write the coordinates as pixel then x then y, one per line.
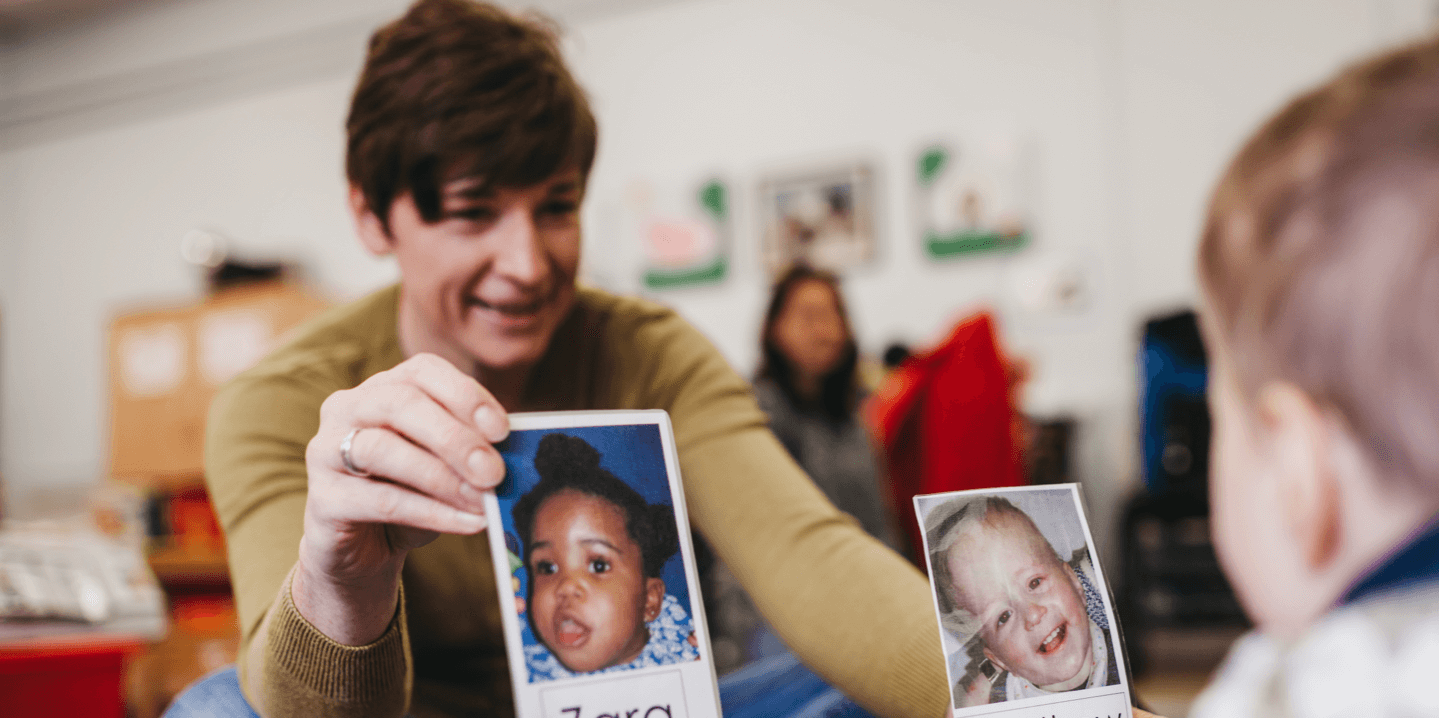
pixel 850 608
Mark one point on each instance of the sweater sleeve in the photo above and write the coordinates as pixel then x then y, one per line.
pixel 257 434
pixel 853 610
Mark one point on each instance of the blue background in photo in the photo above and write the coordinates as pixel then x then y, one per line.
pixel 633 453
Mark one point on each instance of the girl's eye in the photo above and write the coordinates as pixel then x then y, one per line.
pixel 599 565
pixel 544 568
pixel 1003 618
pixel 1035 582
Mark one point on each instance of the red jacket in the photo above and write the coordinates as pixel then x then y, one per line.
pixel 945 419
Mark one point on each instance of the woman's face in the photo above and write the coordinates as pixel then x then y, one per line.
pixel 486 285
pixel 589 596
pixel 809 330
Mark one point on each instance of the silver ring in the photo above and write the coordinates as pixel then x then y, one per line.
pixel 345 459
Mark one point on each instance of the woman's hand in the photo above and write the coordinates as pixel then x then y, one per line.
pixel 421 458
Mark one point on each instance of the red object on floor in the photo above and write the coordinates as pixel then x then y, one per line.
pixel 65 677
pixel 945 419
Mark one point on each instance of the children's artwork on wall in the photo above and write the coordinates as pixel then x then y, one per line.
pixel 971 198
pixel 824 218
pixel 686 235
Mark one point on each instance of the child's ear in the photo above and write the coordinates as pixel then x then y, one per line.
pixel 1299 441
pixel 654 598
pixel 373 233
pixel 994 659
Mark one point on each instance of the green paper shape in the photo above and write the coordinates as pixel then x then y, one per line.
pixel 931 163
pixel 972 242
pixel 708 274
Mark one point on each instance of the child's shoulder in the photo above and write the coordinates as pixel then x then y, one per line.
pixel 1377 656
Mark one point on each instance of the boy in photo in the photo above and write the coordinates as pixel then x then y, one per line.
pixel 1319 271
pixel 595 549
pixel 1003 589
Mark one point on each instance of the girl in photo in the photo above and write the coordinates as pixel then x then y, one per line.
pixel 594 549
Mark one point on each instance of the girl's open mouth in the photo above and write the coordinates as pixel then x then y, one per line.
pixel 1055 639
pixel 570 633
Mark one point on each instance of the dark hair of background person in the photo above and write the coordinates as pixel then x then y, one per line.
pixel 839 389
pixel 569 463
pixel 456 90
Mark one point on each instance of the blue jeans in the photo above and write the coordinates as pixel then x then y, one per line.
pixel 775 686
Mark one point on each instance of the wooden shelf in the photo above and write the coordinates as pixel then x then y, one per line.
pixel 175 567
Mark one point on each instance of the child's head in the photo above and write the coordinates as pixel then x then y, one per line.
pixel 998 578
pixel 1319 266
pixel 594 549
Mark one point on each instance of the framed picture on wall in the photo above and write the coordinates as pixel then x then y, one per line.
pixel 824 218
pixel 685 234
pixel 972 198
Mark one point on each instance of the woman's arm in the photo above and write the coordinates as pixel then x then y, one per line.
pixel 316 547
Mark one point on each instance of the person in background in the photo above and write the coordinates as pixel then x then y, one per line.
pixel 808 385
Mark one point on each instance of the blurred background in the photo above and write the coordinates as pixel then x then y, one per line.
pixel 172 198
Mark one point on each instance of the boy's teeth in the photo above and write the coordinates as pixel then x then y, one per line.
pixel 1048 644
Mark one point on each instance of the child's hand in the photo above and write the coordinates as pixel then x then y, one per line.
pixel 977 692
pixel 519 600
pixel 1144 714
pixel 694 640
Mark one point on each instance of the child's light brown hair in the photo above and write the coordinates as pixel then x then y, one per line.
pixel 1320 256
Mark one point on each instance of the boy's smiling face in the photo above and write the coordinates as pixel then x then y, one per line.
pixel 1029 603
pixel 589 595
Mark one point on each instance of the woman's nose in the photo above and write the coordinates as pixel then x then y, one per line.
pixel 520 256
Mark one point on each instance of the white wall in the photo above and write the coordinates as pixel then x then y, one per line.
pixel 226 114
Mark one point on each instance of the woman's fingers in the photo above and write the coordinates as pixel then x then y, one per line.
pixel 459 394
pixel 382 453
pixel 370 501
pixel 414 414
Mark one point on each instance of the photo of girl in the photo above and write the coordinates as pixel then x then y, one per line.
pixel 598 575
pixel 1019 596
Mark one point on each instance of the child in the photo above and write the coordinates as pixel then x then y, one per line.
pixel 1035 617
pixel 1319 267
pixel 594 549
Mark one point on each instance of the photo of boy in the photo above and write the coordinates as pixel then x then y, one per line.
pixel 593 558
pixel 1028 622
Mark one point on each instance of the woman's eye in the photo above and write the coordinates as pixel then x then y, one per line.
pixel 1003 618
pixel 599 565
pixel 545 568
pixel 558 208
pixel 473 214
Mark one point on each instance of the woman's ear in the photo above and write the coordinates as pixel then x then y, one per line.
pixel 1300 444
pixel 374 235
pixel 654 598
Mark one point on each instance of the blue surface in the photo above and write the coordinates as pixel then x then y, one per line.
pixel 776 687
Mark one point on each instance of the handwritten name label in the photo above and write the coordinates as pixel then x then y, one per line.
pixel 653 695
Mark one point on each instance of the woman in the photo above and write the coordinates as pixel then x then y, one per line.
pixel 349 467
pixel 808 385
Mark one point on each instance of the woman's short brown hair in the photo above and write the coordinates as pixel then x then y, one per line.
pixel 1320 255
pixel 457 89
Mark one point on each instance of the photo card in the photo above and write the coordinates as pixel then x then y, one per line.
pixel 1026 617
pixel 599 591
